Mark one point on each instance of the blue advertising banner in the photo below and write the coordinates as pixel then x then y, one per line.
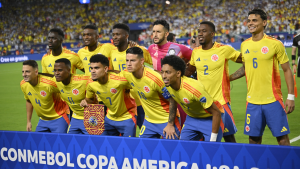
pixel 20 58
pixel 46 150
pixel 139 26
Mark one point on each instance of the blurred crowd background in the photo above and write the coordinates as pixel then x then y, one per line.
pixel 24 23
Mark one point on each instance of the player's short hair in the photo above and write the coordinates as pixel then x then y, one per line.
pixel 210 24
pixel 65 61
pixel 122 26
pixel 136 51
pixel 58 31
pixel 94 27
pixel 176 62
pixel 31 63
pixel 260 12
pixel 163 23
pixel 99 58
pixel 170 37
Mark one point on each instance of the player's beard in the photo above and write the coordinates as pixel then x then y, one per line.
pixel 160 40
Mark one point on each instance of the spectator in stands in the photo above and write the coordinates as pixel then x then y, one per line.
pixel 31 51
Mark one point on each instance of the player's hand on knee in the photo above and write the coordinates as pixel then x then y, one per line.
pixel 289 106
pixel 169 131
pixel 83 103
pixel 29 126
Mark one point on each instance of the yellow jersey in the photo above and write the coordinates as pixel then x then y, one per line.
pixel 262 59
pixel 45 98
pixel 118 59
pixel 213 71
pixel 193 98
pixel 85 55
pixel 120 106
pixel 48 61
pixel 149 90
pixel 74 93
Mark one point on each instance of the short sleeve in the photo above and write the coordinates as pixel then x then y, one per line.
pixel 205 99
pixel 89 91
pixel 25 95
pixel 79 64
pixel 147 56
pixel 44 66
pixel 295 43
pixel 192 62
pixel 281 53
pixel 232 54
pixel 243 59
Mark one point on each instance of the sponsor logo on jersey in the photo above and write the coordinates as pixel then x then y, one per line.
pixel 62 91
pixel 264 50
pixel 214 57
pixel 43 93
pixel 85 58
pixel 247 51
pixel 203 99
pixel 173 95
pixel 147 89
pixel 132 84
pixel 283 129
pixel 115 59
pixel 198 59
pixel 113 90
pixel 247 128
pixel 29 94
pixel 75 91
pixel 186 101
pixel 50 65
pixel 98 92
pixel 172 52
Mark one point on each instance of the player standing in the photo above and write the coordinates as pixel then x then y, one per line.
pixel 262 56
pixel 55 39
pixel 111 88
pixel 211 61
pixel 72 88
pixel 92 47
pixel 42 94
pixel 153 95
pixel 120 36
pixel 296 44
pixel 203 114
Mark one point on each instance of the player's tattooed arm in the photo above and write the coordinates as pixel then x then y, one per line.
pixel 169 130
pixel 239 59
pixel 190 70
pixel 238 74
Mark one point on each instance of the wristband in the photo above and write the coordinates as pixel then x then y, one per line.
pixel 293 57
pixel 293 64
pixel 213 137
pixel 291 97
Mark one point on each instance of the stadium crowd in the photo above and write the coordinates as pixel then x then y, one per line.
pixel 26 22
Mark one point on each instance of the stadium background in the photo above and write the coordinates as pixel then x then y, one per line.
pixel 24 26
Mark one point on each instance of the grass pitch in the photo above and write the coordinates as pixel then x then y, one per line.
pixel 13 109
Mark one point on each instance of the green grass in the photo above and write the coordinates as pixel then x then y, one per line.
pixel 13 110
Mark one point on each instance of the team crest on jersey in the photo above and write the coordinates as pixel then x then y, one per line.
pixel 214 57
pixel 172 52
pixel 247 128
pixel 43 93
pixel 113 90
pixel 75 91
pixel 147 89
pixel 186 101
pixel 264 50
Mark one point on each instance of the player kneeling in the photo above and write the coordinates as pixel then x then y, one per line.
pixel 111 88
pixel 42 94
pixel 203 114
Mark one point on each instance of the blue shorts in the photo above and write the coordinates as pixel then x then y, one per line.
pixel 273 114
pixel 126 128
pixel 229 123
pixel 198 128
pixel 154 130
pixel 52 126
pixel 140 116
pixel 77 127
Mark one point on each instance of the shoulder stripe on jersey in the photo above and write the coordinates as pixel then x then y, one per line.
pixel 89 81
pixel 247 39
pixel 22 82
pixel 120 79
pixel 50 82
pixel 268 37
pixel 155 79
pixel 199 47
pixel 45 55
pixel 70 52
pixel 191 89
pixel 79 78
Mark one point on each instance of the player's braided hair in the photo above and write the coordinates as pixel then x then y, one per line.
pixel 176 62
